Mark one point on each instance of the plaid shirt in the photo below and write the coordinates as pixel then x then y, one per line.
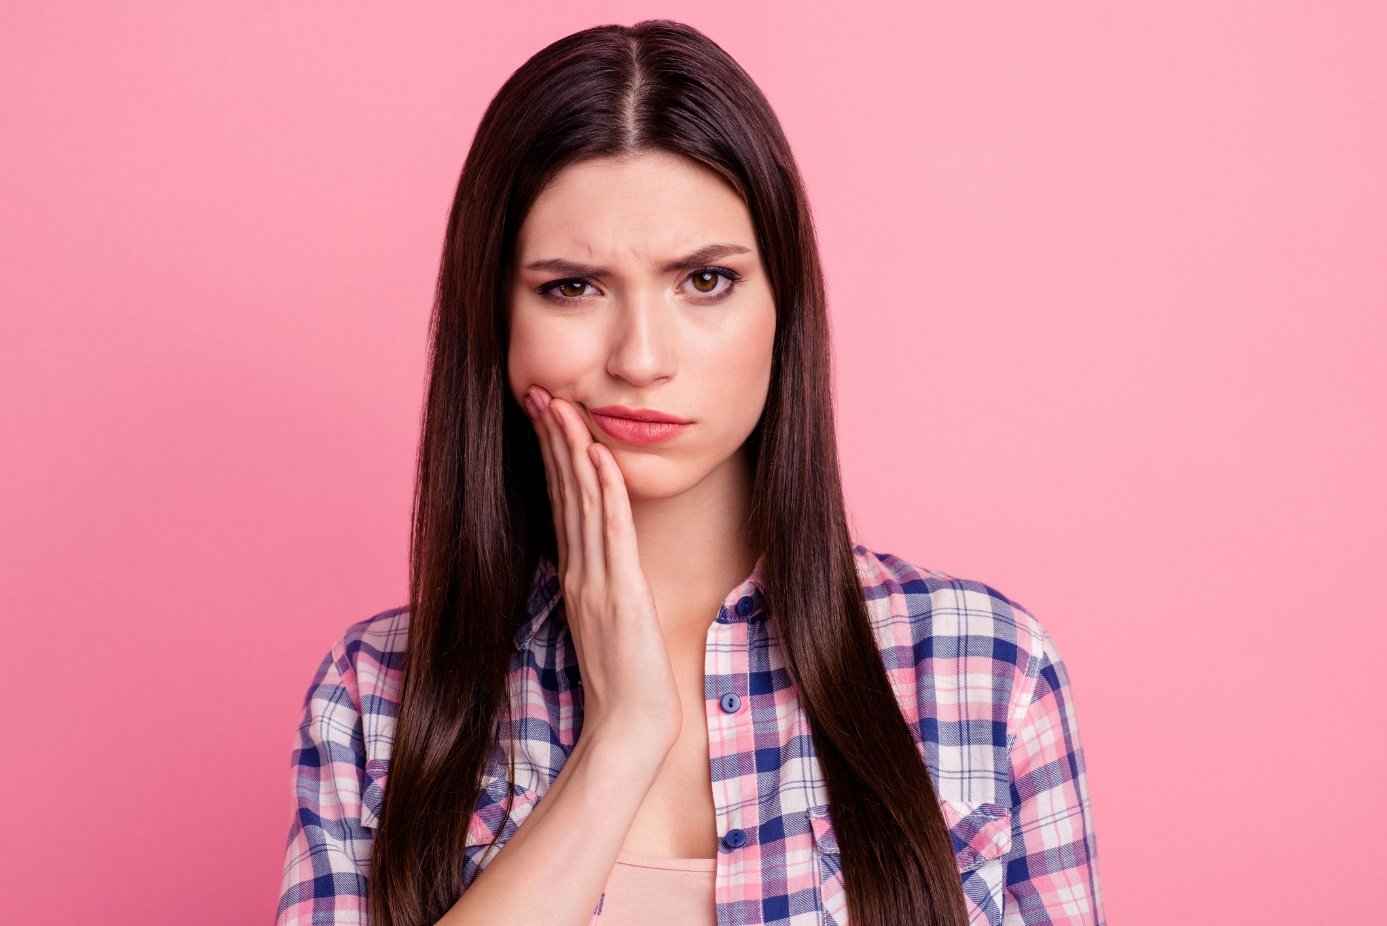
pixel 979 682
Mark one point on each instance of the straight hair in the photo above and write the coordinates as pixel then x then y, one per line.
pixel 481 516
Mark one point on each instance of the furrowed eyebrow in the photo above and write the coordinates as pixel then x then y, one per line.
pixel 691 261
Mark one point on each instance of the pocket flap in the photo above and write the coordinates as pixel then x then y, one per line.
pixel 822 827
pixel 490 814
pixel 981 832
pixel 486 818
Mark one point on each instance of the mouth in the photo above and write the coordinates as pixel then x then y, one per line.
pixel 638 425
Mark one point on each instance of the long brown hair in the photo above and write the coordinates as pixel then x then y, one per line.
pixel 481 511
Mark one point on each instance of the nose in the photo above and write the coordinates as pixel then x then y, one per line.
pixel 643 342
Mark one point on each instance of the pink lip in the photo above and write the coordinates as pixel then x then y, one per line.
pixel 638 425
pixel 635 414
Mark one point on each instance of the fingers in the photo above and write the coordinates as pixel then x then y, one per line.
pixel 592 512
pixel 588 490
pixel 568 489
pixel 619 531
pixel 535 402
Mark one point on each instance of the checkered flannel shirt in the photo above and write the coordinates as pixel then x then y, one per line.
pixel 979 681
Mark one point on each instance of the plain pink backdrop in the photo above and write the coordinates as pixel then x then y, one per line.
pixel 1108 292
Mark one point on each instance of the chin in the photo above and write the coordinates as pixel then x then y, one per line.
pixel 651 477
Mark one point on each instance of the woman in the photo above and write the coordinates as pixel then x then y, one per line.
pixel 644 674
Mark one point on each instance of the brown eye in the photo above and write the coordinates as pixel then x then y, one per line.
pixel 563 290
pixel 705 281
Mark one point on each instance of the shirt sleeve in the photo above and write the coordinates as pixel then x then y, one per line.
pixel 328 855
pixel 1052 870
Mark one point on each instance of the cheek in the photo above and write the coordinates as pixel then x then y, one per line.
pixel 741 377
pixel 536 356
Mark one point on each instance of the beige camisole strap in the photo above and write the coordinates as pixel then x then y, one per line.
pixel 651 890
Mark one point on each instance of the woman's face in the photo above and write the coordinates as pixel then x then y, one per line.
pixel 626 292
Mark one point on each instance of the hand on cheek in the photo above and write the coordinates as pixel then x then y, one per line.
pixel 628 678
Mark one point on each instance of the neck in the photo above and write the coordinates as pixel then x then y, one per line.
pixel 696 547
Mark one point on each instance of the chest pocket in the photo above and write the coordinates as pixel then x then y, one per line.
pixel 981 834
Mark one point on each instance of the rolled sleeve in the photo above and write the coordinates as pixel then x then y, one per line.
pixel 1052 870
pixel 327 859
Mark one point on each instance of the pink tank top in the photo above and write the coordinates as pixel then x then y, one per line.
pixel 645 890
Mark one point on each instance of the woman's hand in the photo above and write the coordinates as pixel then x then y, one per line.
pixel 629 693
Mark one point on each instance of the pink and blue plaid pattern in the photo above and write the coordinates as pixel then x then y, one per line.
pixel 978 679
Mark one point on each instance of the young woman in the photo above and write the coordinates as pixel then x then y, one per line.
pixel 645 675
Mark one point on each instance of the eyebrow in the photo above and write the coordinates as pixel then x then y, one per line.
pixel 690 261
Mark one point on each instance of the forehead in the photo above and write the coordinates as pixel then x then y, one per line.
pixel 644 208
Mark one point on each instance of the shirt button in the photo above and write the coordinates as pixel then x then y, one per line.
pixel 735 839
pixel 730 702
pixel 744 606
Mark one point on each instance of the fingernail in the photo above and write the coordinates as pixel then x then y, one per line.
pixel 530 408
pixel 594 456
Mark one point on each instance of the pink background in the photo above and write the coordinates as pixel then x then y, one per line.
pixel 1108 290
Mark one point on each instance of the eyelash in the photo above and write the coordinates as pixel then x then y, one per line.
pixel 731 276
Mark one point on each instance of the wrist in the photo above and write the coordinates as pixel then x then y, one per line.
pixel 628 750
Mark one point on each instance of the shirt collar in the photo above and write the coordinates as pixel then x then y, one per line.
pixel 746 602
